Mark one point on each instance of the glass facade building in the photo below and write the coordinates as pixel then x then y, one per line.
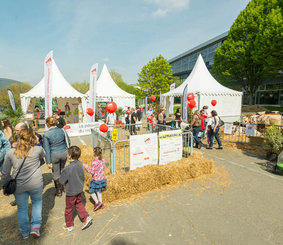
pixel 270 93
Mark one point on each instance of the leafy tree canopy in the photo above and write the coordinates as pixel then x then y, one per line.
pixel 155 77
pixel 253 49
pixel 17 89
pixel 82 87
pixel 118 79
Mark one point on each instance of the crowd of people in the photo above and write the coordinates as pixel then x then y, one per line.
pixel 22 154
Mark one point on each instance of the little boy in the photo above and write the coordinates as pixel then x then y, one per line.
pixel 73 177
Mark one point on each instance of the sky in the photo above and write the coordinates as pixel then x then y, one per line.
pixel 123 34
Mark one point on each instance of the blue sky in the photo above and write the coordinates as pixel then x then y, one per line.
pixel 124 34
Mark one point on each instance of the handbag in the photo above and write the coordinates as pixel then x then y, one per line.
pixel 10 186
pixel 66 139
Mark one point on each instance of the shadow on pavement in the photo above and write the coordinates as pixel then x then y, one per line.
pixel 120 241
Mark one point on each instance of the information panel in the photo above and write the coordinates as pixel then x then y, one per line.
pixel 78 129
pixel 143 150
pixel 170 146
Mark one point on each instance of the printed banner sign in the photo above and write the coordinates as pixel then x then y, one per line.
pixel 170 143
pixel 48 83
pixel 171 107
pixel 146 105
pixel 143 150
pixel 12 100
pixel 250 129
pixel 78 129
pixel 185 105
pixel 228 128
pixel 92 89
pixel 114 135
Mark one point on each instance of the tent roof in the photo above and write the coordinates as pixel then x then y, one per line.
pixel 106 87
pixel 60 87
pixel 201 81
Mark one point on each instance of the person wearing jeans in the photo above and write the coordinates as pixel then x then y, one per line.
pixel 215 131
pixel 29 182
pixel 23 218
pixel 196 125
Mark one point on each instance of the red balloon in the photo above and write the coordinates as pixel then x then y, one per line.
pixel 103 114
pixel 152 98
pixel 90 111
pixel 214 102
pixel 103 128
pixel 190 97
pixel 111 107
pixel 128 112
pixel 59 111
pixel 191 104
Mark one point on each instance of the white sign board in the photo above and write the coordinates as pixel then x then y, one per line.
pixel 78 129
pixel 171 149
pixel 250 129
pixel 228 128
pixel 143 150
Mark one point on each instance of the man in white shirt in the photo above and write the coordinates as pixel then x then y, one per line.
pixel 110 121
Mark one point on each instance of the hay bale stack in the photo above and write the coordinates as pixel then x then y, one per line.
pixel 123 185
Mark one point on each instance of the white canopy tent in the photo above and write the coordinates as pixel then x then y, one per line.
pixel 107 89
pixel 61 90
pixel 205 88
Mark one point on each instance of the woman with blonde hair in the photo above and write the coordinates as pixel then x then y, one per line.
pixel 25 161
pixel 55 144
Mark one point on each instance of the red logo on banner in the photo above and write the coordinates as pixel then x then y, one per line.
pixel 94 70
pixel 47 61
pixel 67 127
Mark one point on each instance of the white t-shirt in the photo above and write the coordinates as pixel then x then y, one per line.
pixel 213 121
pixel 111 118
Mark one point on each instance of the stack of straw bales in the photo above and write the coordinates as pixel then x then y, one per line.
pixel 123 185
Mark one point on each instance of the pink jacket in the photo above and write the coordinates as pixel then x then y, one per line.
pixel 97 169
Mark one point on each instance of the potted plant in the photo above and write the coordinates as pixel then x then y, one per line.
pixel 272 142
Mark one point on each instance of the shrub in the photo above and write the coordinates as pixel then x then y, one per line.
pixel 273 139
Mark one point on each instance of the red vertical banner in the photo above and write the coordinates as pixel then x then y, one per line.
pixel 92 90
pixel 48 83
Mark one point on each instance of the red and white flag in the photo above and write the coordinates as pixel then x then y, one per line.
pixel 48 83
pixel 92 89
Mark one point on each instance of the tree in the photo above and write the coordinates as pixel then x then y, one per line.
pixel 177 81
pixel 17 89
pixel 155 77
pixel 118 79
pixel 252 51
pixel 82 87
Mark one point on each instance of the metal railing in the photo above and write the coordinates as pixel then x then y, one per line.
pixel 239 133
pixel 117 153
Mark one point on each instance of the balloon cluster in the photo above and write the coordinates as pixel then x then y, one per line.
pixel 191 101
pixel 149 118
pixel 152 98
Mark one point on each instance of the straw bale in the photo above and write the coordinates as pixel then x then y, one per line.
pixel 124 185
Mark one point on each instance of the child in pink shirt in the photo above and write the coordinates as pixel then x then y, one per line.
pixel 98 183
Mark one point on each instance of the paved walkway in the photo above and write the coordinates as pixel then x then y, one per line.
pixel 249 211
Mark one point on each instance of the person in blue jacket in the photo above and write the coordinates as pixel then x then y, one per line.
pixel 4 147
pixel 55 144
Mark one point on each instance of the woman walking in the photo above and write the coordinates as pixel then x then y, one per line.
pixel 55 142
pixel 196 125
pixel 178 118
pixel 25 161
pixel 215 130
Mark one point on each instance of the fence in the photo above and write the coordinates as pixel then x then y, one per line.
pixel 117 153
pixel 239 134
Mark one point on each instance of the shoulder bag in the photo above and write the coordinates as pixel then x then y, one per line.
pixel 66 139
pixel 10 186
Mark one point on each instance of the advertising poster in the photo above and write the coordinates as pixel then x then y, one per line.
pixel 12 100
pixel 143 150
pixel 92 90
pixel 171 149
pixel 171 107
pixel 79 129
pixel 185 105
pixel 250 129
pixel 228 128
pixel 48 84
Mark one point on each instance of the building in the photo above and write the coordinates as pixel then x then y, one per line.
pixel 270 93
